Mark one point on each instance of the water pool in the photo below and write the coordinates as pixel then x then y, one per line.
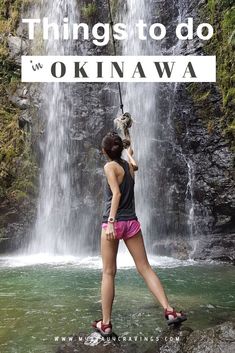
pixel 43 298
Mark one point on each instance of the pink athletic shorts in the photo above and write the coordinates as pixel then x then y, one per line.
pixel 125 229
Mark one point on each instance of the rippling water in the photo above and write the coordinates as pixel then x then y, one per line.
pixel 44 297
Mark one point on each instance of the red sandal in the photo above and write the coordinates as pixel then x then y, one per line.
pixel 172 318
pixel 103 328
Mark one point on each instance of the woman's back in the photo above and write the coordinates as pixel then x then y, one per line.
pixel 126 209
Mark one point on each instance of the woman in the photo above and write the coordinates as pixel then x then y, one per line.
pixel 120 222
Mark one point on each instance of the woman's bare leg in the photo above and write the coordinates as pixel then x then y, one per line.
pixel 136 248
pixel 109 250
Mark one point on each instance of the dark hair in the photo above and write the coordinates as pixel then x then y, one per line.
pixel 113 145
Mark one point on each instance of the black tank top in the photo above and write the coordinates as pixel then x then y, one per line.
pixel 126 209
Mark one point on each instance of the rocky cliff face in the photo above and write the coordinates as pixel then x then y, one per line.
pixel 197 142
pixel 18 167
pixel 195 166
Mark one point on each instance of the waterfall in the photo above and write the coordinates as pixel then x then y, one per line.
pixel 53 227
pixel 65 204
pixel 140 101
pixel 189 201
pixel 192 228
pixel 152 106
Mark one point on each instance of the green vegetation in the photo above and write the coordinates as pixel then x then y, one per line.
pixel 211 6
pixel 205 108
pixel 17 166
pixel 89 11
pixel 114 7
pixel 221 14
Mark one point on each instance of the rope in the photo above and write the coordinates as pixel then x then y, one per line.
pixel 115 53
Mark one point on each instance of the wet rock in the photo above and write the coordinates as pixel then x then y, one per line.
pixel 17 221
pixel 25 120
pixel 183 339
pixel 17 47
pixel 202 168
pixel 172 340
pixel 219 339
pixel 218 247
pixel 82 343
pixel 20 98
pixel 177 248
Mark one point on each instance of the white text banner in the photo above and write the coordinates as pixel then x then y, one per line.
pixel 118 69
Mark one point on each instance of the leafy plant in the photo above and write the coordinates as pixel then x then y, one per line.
pixel 89 10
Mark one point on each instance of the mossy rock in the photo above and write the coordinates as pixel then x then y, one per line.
pixel 222 16
pixel 89 11
pixel 18 168
pixel 230 98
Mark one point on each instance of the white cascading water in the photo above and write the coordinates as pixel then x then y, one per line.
pixel 52 228
pixel 183 6
pixel 189 201
pixel 140 101
pixel 53 233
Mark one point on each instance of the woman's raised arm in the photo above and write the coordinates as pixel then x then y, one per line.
pixel 130 153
